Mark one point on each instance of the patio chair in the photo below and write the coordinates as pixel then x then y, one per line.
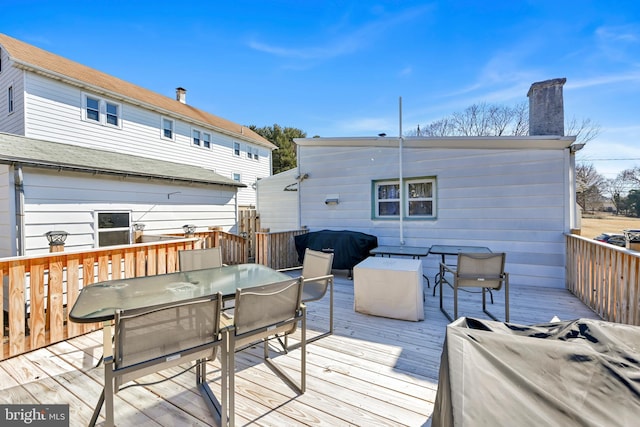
pixel 260 314
pixel 316 270
pixel 475 270
pixel 153 339
pixel 198 259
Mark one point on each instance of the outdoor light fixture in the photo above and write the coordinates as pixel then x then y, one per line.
pixel 576 147
pixel 56 238
pixel 138 226
pixel 189 228
pixel 332 199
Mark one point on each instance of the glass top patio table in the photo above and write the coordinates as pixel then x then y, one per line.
pixel 98 302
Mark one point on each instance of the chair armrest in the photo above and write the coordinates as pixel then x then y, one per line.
pixel 444 266
pixel 317 279
pixel 290 269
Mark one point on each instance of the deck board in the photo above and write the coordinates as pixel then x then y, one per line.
pixel 372 371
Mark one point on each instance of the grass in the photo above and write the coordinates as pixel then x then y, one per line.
pixel 606 223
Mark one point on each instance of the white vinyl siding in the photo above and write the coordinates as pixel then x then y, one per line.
pixel 11 121
pixel 53 198
pixel 512 201
pixel 54 110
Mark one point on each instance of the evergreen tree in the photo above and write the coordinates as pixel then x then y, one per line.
pixel 284 158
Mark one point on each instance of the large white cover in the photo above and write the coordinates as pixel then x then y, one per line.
pixel 389 287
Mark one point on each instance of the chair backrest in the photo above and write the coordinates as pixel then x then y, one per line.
pixel 315 264
pixel 481 270
pixel 198 259
pixel 166 335
pixel 265 308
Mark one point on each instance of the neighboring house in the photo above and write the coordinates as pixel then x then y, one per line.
pixel 46 96
pixel 98 196
pixel 511 194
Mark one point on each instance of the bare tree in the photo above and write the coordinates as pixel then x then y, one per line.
pixel 589 185
pixel 498 120
pixel 584 130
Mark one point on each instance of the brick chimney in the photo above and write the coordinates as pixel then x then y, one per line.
pixel 546 107
pixel 181 95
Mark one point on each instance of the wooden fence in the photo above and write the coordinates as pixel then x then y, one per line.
pixel 248 226
pixel 38 290
pixel 606 278
pixel 277 250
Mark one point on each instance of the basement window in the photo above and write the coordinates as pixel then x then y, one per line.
pixel 113 228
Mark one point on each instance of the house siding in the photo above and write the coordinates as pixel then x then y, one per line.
pixel 68 201
pixel 54 113
pixel 511 201
pixel 10 76
pixel 278 208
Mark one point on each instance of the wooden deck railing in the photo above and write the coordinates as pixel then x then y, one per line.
pixel 37 290
pixel 606 278
pixel 235 249
pixel 277 250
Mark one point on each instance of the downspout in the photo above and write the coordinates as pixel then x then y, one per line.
pixel 401 172
pixel 19 194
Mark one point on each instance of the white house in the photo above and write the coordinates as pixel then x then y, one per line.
pixel 511 194
pixel 99 197
pixel 48 97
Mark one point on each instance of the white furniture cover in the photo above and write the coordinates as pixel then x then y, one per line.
pixel 389 287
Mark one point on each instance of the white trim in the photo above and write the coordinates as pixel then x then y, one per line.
pixel 173 128
pixel 103 114
pixel 457 142
pixel 96 227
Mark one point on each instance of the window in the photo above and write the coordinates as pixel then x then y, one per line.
pixel 93 109
pixel 252 153
pixel 113 228
pixel 0 60
pixel 112 114
pixel 167 128
pixel 419 200
pixel 10 99
pixel 236 148
pixel 101 111
pixel 206 140
pixel 196 137
pixel 236 177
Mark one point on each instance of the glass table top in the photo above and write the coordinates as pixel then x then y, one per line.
pixel 99 301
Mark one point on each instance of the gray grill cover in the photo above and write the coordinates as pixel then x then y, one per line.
pixel 575 373
pixel 349 247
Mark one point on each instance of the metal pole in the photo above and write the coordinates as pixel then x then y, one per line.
pixel 401 141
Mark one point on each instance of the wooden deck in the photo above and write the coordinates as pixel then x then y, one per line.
pixel 372 371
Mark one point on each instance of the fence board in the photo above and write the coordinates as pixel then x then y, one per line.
pixel 605 278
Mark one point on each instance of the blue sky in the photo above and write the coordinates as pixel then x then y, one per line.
pixel 338 68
